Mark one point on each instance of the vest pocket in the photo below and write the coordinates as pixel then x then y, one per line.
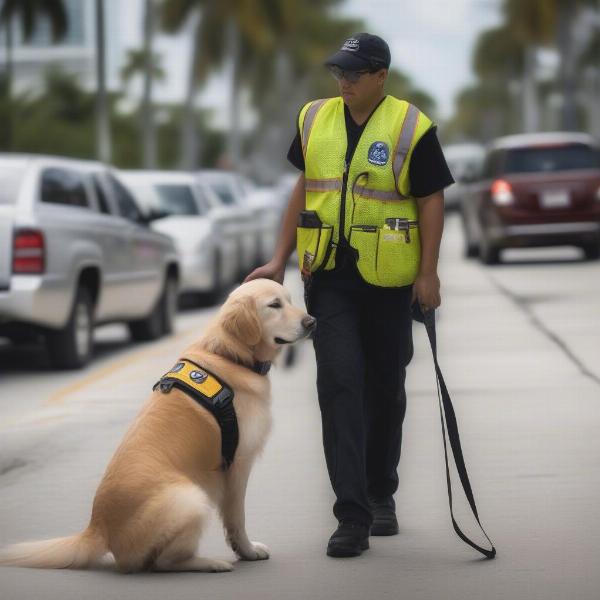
pixel 313 239
pixel 387 257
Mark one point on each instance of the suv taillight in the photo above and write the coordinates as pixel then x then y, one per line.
pixel 28 251
pixel 502 193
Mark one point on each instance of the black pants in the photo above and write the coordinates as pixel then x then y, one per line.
pixel 363 343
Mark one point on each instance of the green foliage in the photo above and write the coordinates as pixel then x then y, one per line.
pixel 61 121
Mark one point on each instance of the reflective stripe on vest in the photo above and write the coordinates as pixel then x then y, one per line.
pixel 322 185
pixel 366 192
pixel 405 140
pixel 309 119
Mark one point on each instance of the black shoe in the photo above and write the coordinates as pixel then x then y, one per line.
pixel 349 539
pixel 384 516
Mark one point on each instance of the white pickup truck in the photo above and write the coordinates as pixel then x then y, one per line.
pixel 75 251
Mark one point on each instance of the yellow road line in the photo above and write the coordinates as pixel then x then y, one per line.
pixel 59 397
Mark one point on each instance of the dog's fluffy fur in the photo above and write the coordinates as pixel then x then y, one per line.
pixel 154 499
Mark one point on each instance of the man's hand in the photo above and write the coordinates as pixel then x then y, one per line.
pixel 426 289
pixel 272 270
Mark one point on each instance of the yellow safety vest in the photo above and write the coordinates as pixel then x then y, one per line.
pixel 366 203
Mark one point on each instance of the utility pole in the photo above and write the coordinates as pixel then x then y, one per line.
pixel 103 143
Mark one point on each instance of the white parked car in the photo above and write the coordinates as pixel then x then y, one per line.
pixel 464 161
pixel 231 190
pixel 75 251
pixel 208 252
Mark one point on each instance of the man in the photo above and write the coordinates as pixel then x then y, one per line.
pixel 373 179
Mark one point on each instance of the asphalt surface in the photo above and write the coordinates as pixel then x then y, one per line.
pixel 518 345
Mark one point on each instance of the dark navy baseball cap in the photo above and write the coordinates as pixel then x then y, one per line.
pixel 361 51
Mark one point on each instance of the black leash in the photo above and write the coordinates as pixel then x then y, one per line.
pixel 428 318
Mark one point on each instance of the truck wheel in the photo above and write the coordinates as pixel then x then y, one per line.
pixel 160 319
pixel 170 308
pixel 71 347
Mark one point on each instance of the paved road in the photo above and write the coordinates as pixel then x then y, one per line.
pixel 518 347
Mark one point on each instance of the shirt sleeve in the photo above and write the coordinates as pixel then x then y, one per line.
pixel 295 155
pixel 428 170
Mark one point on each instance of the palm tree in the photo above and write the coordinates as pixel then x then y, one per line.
pixel 531 24
pixel 250 35
pixel 589 64
pixel 103 142
pixel 147 64
pixel 498 60
pixel 567 12
pixel 27 12
pixel 232 29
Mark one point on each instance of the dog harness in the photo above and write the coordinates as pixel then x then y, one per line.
pixel 209 392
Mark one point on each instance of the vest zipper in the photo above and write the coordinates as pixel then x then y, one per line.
pixel 342 241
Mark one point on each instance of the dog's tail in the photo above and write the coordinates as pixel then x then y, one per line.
pixel 73 552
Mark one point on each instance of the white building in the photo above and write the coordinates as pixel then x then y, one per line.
pixel 75 53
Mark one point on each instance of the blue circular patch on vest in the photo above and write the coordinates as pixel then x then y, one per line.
pixel 198 376
pixel 379 153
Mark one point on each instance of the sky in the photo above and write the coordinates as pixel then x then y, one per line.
pixel 430 40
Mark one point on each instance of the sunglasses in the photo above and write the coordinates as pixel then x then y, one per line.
pixel 350 76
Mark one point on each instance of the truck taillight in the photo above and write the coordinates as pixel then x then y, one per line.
pixel 502 193
pixel 28 251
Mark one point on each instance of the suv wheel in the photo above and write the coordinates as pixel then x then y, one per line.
pixel 161 320
pixel 489 254
pixel 71 347
pixel 591 251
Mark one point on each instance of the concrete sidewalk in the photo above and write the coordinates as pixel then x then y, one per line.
pixel 527 415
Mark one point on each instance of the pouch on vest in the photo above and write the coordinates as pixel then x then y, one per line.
pixel 313 242
pixel 387 256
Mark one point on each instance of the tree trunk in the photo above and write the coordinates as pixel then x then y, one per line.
pixel 235 133
pixel 103 150
pixel 188 159
pixel 529 91
pixel 567 82
pixel 148 127
pixel 8 136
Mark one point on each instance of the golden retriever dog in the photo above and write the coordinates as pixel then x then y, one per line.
pixel 157 492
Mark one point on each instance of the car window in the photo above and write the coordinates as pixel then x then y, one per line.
pixel 63 186
pixel 202 198
pixel 11 177
pixel 176 199
pixel 125 202
pixel 546 159
pixel 224 192
pixel 101 196
pixel 493 164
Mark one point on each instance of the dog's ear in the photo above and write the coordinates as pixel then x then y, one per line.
pixel 240 320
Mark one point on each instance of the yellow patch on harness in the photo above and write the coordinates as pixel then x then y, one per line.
pixel 195 377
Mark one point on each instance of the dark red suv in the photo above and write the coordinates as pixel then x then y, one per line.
pixel 538 189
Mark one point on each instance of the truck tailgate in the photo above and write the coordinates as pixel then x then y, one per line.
pixel 6 238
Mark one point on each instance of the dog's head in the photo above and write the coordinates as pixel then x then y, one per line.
pixel 260 314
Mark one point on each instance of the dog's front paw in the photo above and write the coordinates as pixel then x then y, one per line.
pixel 255 551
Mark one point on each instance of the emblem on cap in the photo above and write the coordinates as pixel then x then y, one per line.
pixel 379 153
pixel 198 376
pixel 351 44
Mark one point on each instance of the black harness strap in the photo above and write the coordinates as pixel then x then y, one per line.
pixel 448 412
pixel 219 402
